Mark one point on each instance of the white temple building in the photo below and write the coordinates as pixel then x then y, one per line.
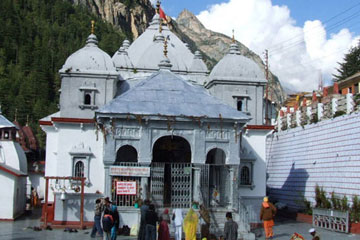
pixel 153 122
pixel 13 172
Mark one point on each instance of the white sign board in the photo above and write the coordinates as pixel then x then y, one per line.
pixel 126 188
pixel 130 171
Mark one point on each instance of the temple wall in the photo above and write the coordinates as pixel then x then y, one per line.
pixel 325 153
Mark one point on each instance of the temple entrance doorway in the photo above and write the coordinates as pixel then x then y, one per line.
pixel 171 175
pixel 218 178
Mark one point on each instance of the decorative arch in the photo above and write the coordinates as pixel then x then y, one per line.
pixel 172 149
pixel 126 153
pixel 216 156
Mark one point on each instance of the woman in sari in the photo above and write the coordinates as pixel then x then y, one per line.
pixel 190 224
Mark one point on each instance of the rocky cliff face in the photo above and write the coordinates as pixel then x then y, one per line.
pixel 215 46
pixel 131 16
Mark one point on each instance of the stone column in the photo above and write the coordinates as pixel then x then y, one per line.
pixel 231 192
pixel 107 187
pixel 144 187
pixel 196 185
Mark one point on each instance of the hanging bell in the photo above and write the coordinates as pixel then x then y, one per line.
pixel 63 196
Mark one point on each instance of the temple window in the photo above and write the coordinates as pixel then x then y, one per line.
pixel 245 176
pixel 87 96
pixel 79 169
pixel 87 99
pixel 246 173
pixel 241 103
pixel 81 156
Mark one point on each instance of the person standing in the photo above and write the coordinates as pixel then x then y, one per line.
pixel 142 229
pixel 190 225
pixel 97 219
pixel 312 232
pixel 163 232
pixel 178 221
pixel 115 214
pixel 151 219
pixel 230 228
pixel 267 214
pixel 108 223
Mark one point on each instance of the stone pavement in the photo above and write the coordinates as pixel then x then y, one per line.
pixel 18 230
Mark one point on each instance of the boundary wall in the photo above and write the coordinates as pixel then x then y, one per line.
pixel 326 153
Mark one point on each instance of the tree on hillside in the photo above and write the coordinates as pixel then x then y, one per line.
pixel 36 37
pixel 351 64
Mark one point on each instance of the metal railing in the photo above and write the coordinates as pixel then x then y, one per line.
pixel 331 219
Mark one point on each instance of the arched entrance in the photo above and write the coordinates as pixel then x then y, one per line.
pixel 126 156
pixel 171 172
pixel 218 176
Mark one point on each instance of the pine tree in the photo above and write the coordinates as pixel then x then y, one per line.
pixel 351 64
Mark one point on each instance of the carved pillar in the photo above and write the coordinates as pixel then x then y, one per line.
pixel 144 188
pixel 196 185
pixel 107 187
pixel 231 190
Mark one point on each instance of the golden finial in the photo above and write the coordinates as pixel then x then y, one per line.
pixel 16 111
pixel 158 7
pixel 160 26
pixel 27 120
pixel 165 47
pixel 233 36
pixel 92 26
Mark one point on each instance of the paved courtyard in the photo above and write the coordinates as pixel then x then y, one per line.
pixel 19 230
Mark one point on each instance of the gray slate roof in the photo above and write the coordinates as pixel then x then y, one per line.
pixel 5 123
pixel 166 94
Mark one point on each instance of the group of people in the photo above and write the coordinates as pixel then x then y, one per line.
pixel 188 225
pixel 106 222
pixel 106 219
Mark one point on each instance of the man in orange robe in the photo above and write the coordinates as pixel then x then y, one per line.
pixel 267 214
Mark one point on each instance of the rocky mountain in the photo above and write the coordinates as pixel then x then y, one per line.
pixel 133 16
pixel 130 16
pixel 215 46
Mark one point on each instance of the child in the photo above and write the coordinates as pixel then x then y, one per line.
pixel 97 226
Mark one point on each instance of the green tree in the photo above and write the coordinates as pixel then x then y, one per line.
pixel 350 65
pixel 36 38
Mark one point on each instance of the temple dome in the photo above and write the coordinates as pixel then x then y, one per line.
pixel 235 67
pixel 89 58
pixel 121 59
pixel 145 51
pixel 198 64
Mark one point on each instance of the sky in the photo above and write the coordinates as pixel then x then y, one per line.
pixel 305 38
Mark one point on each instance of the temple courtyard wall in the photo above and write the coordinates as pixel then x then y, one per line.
pixel 325 153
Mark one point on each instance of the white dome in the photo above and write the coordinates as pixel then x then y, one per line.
pixel 153 55
pixel 235 67
pixel 88 59
pixel 198 64
pixel 121 59
pixel 145 53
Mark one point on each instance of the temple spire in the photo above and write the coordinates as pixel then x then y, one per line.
pixel 158 3
pixel 233 36
pixel 16 111
pixel 165 48
pixel 92 26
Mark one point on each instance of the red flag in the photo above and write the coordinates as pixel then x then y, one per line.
pixel 162 14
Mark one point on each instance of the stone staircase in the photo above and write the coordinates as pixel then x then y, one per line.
pixel 218 219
